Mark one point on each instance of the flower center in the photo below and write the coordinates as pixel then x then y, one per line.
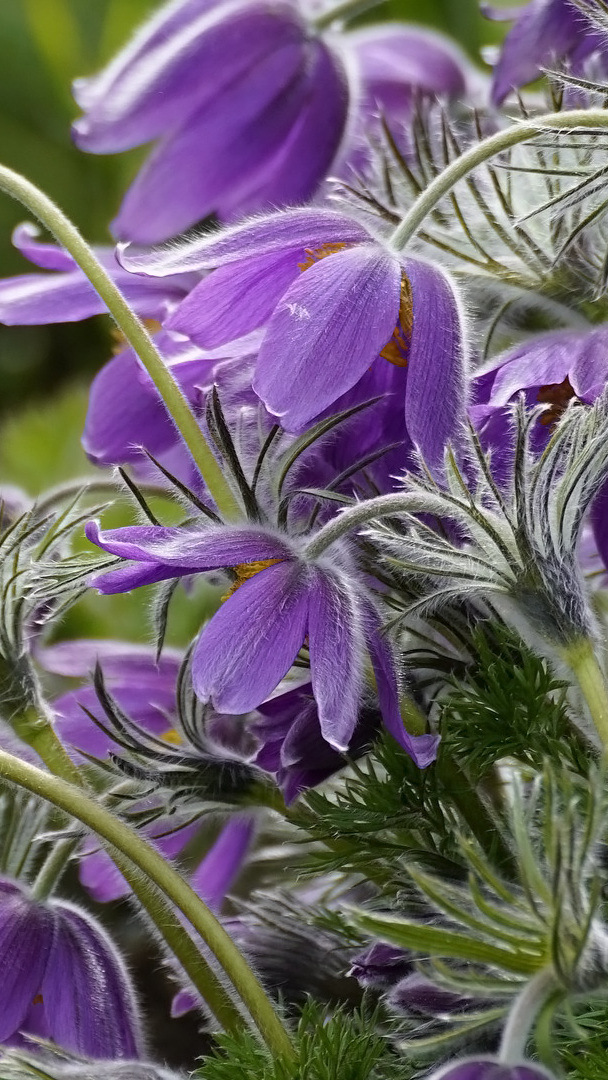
pixel 398 348
pixel 557 395
pixel 316 254
pixel 244 571
pixel 172 737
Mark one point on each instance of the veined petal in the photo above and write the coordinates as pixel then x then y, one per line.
pixel 252 641
pixel 87 997
pixel 215 151
pixel 235 299
pixel 410 57
pixel 199 62
pixel 277 232
pixel 435 409
pixel 327 330
pixel 190 547
pixel 306 154
pixel 26 936
pixel 336 645
pixel 134 576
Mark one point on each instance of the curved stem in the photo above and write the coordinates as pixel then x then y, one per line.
pixel 134 331
pixel 488 148
pixel 337 527
pixel 53 866
pixel 522 1016
pixel 149 862
pixel 582 661
pixel 35 728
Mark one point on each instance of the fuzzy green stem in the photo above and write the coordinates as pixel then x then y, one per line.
pixel 522 1016
pixel 582 661
pixel 74 801
pixel 53 867
pixel 355 516
pixel 477 155
pixel 134 332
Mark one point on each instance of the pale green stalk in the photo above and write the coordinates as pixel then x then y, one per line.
pixel 523 1014
pixel 582 661
pixel 134 332
pixel 518 132
pixel 144 858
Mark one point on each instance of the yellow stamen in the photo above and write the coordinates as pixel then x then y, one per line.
pixel 397 349
pixel 557 395
pixel 316 254
pixel 244 571
pixel 173 737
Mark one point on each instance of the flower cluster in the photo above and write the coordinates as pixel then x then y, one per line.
pixel 359 402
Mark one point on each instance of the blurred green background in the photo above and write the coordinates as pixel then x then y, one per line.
pixel 44 371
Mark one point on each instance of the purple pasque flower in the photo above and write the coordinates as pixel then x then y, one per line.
pixel 282 600
pixel 62 979
pixel 545 32
pixel 490 1068
pixel 248 104
pixel 66 295
pixel 334 300
pixel 551 369
pixel 144 688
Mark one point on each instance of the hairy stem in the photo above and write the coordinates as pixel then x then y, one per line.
pixel 484 151
pixel 134 332
pixel 35 728
pixel 144 858
pixel 582 661
pixel 522 1016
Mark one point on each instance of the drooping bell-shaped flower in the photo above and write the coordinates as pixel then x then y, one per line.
pixel 334 300
pixel 63 979
pixel 283 598
pixel 247 102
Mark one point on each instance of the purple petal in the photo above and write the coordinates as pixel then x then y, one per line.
pixel 26 935
pixel 545 30
pixel 199 62
pixel 122 661
pixel 127 578
pixel 217 153
pixel 46 256
pixel 252 641
pixel 307 153
pixel 421 748
pixel 126 412
pixel 235 299
pixel 435 410
pixel 327 330
pixel 214 876
pixel 190 546
pixel 169 20
pixel 279 232
pixel 183 1002
pixel 410 57
pixel 88 1000
pixel 336 646
pixel 489 1068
